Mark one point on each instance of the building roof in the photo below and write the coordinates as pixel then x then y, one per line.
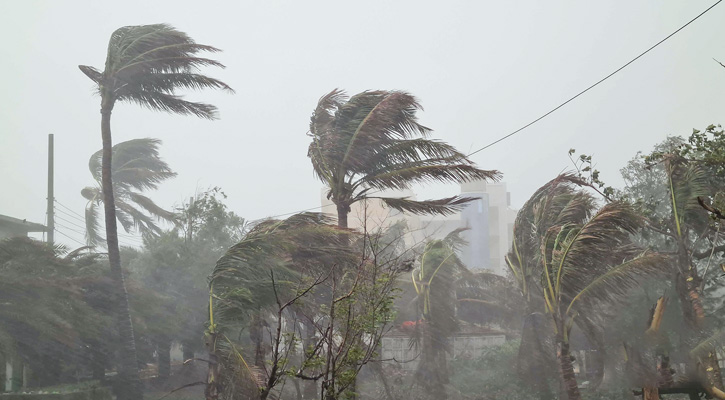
pixel 20 224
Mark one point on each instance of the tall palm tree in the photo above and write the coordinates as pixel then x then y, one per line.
pixel 372 142
pixel 145 64
pixel 136 167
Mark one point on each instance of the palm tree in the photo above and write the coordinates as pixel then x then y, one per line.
pixel 136 167
pixel 434 282
pixel 146 65
pixel 585 262
pixel 372 142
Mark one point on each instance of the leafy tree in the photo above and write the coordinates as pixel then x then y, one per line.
pixel 136 167
pixel 146 65
pixel 175 264
pixel 373 142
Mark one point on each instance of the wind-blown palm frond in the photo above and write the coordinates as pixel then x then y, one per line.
pixel 556 203
pixel 613 285
pixel 587 251
pixel 136 166
pixel 687 182
pixel 373 140
pixel 446 206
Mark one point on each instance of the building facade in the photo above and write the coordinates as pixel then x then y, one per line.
pixel 488 222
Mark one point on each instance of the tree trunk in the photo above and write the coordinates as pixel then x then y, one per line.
pixel 687 287
pixel 164 359
pixel 567 372
pixel 309 386
pixel 187 351
pixel 129 382
pixel 342 212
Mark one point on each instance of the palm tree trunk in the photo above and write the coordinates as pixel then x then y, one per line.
pixel 567 372
pixel 687 284
pixel 129 382
pixel 342 211
pixel 164 359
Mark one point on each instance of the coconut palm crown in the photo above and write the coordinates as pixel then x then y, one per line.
pixel 147 64
pixel 373 142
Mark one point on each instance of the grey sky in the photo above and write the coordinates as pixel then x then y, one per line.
pixel 480 69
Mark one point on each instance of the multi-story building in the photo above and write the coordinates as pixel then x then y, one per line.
pixel 488 221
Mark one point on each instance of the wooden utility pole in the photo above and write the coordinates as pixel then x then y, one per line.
pixel 51 198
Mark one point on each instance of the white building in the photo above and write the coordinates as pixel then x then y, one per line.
pixel 489 220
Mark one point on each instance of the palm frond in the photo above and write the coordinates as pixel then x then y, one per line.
pixel 611 286
pixel 446 206
pixel 159 101
pixel 402 176
pixel 93 227
pixel 585 252
pixel 92 73
pixel 153 209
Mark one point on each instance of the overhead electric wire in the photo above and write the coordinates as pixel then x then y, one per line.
pixel 67 208
pixel 597 83
pixel 69 222
pixel 75 240
pixel 79 218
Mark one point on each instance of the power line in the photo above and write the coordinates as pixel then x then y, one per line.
pixel 70 222
pixel 597 83
pixel 68 208
pixel 69 215
pixel 75 240
pixel 80 218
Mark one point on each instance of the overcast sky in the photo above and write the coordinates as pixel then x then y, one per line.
pixel 480 68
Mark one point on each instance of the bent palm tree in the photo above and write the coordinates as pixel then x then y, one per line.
pixel 145 65
pixel 136 167
pixel 372 142
pixel 273 260
pixel 576 263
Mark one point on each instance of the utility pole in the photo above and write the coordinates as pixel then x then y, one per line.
pixel 51 198
pixel 190 220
